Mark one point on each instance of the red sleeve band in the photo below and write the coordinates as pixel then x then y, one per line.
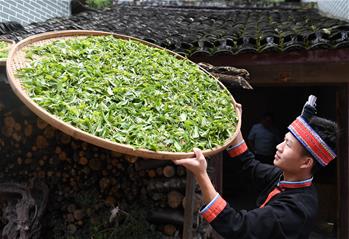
pixel 213 209
pixel 238 149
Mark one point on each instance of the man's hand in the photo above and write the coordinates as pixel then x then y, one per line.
pixel 239 137
pixel 197 165
pixel 239 107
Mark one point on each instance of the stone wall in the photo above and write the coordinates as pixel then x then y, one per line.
pixel 27 11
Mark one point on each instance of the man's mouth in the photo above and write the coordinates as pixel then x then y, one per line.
pixel 277 157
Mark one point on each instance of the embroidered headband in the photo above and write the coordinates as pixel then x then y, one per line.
pixel 311 141
pixel 308 137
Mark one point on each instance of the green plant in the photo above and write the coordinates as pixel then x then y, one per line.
pixel 4 49
pixel 3 45
pixel 3 54
pixel 99 3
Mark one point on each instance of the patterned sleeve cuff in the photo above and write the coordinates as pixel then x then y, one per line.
pixel 237 149
pixel 213 209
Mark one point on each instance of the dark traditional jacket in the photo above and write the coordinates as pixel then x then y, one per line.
pixel 285 209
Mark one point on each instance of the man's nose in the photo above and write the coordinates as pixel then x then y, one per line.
pixel 279 146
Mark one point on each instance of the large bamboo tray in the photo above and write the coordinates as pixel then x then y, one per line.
pixel 11 44
pixel 16 60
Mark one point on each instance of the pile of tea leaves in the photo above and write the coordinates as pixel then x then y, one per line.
pixel 129 93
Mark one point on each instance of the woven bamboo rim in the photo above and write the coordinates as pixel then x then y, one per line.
pixel 10 45
pixel 16 60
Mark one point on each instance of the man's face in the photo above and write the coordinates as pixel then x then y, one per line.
pixel 289 155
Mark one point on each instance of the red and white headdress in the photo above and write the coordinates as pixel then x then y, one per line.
pixel 308 137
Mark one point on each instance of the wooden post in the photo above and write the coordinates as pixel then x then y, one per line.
pixel 189 206
pixel 218 172
pixel 217 164
pixel 342 114
pixel 218 179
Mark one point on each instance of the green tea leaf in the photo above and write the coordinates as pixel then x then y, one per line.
pixel 130 93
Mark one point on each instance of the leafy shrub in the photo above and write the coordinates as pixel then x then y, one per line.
pixel 99 3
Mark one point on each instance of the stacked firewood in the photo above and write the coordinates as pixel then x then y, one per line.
pixel 86 182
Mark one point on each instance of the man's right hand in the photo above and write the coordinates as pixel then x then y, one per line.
pixel 197 165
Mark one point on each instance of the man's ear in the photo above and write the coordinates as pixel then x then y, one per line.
pixel 307 162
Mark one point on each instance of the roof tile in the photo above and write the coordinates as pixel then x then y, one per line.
pixel 207 31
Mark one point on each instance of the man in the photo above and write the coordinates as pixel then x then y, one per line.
pixel 263 138
pixel 288 201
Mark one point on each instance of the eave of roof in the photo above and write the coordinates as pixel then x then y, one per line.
pixel 197 31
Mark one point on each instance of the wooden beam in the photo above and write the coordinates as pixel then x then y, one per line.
pixel 316 66
pixel 299 73
pixel 285 74
pixel 343 165
pixel 323 56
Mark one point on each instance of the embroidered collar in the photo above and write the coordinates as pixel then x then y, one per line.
pixel 297 184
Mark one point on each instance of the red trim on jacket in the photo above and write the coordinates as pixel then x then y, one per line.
pixel 282 185
pixel 238 149
pixel 214 210
pixel 303 185
pixel 272 194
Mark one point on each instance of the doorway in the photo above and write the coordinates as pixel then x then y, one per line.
pixel 285 104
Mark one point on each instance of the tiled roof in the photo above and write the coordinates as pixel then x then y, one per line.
pixel 211 30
